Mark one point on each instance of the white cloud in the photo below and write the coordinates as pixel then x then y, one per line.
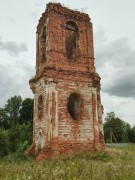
pixel 14 80
pixel 115 62
pixel 12 47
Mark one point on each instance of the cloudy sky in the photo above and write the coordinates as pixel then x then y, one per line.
pixel 114 44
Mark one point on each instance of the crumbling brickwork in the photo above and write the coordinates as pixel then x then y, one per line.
pixel 67 108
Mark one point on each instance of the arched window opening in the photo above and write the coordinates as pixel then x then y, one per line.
pixel 40 106
pixel 73 105
pixel 43 45
pixel 71 40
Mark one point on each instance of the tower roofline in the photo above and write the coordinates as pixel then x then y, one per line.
pixel 59 9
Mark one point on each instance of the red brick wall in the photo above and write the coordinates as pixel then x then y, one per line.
pixel 57 77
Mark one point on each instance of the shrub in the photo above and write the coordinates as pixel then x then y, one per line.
pixel 4 142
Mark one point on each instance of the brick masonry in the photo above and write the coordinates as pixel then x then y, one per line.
pixel 65 67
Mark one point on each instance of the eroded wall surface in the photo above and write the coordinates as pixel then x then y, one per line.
pixel 67 110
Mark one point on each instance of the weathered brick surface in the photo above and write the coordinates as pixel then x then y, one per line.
pixel 57 77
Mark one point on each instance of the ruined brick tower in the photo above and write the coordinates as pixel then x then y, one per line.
pixel 67 108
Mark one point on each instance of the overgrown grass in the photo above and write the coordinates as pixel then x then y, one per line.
pixel 110 164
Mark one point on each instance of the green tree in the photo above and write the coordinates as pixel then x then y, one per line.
pixel 131 134
pixel 4 142
pixel 18 135
pixel 115 129
pixel 4 119
pixel 12 109
pixel 16 125
pixel 26 111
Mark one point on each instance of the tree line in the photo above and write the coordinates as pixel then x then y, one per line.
pixel 118 131
pixel 16 125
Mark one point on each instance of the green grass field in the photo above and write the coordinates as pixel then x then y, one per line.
pixel 110 164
